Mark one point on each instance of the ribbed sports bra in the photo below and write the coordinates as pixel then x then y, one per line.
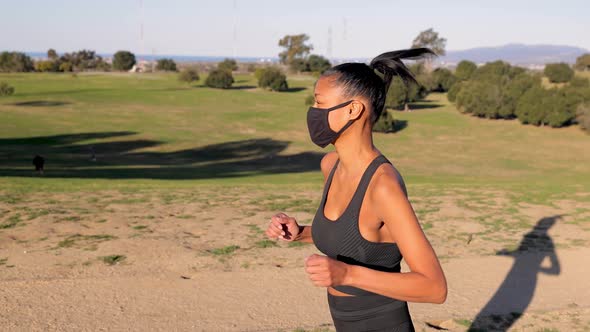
pixel 341 239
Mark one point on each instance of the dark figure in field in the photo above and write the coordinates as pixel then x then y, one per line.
pixel 516 291
pixel 365 223
pixel 38 161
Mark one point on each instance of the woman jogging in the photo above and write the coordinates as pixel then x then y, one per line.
pixel 365 223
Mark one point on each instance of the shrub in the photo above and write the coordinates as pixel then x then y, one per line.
pixel 442 80
pixel 46 66
pixel 298 65
pixel 103 66
pixel 251 68
pixel 123 60
pixel 82 60
pixel 464 70
pixel 221 79
pixel 258 73
pixel 559 72
pixel 5 89
pixel 583 116
pixel 539 106
pixel 15 62
pixel 318 64
pixel 399 93
pixel 273 79
pixel 480 98
pixel 513 91
pixel 452 94
pixel 166 65
pixel 228 65
pixel 188 75
pixel 65 66
pixel 385 123
pixel 583 62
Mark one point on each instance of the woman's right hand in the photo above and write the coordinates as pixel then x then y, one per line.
pixel 283 227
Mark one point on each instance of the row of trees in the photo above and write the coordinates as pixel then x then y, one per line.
pixel 82 60
pixel 498 90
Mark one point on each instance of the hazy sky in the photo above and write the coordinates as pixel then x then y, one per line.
pixel 359 28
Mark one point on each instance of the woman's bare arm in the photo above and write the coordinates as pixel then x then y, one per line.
pixel 326 164
pixel 426 281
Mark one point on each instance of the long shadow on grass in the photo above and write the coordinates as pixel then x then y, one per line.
pixel 41 103
pixel 515 293
pixel 68 156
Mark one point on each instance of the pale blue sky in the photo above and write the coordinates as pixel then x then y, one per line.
pixel 359 28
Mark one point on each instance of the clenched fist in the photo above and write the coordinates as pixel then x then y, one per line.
pixel 324 271
pixel 282 227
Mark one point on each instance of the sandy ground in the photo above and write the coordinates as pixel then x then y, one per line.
pixel 195 263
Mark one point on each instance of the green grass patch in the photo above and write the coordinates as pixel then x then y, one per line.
pixel 76 239
pixel 266 243
pixel 227 250
pixel 12 221
pixel 112 259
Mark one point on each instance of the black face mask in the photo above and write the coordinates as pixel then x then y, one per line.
pixel 319 127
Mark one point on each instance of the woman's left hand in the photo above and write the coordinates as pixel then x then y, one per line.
pixel 324 271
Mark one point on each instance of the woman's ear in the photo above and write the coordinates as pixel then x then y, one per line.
pixel 356 109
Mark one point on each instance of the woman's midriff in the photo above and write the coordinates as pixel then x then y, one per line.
pixel 337 292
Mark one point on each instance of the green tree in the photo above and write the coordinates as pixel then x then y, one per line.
pixel 558 72
pixel 430 38
pixel 385 123
pixel 273 79
pixel 442 80
pixel 583 62
pixel 6 89
pixel 65 66
pixel 52 54
pixel 82 60
pixel 46 66
pixel 464 70
pixel 165 65
pixel 15 62
pixel 228 64
pixel 513 91
pixel 453 91
pixel 221 79
pixel 583 116
pixel 318 64
pixel 123 60
pixel 188 75
pixel 400 93
pixel 295 47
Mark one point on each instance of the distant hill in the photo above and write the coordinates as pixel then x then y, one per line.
pixel 518 54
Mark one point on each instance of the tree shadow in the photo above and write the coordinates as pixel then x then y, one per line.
pixel 515 293
pixel 297 89
pixel 423 105
pixel 62 92
pixel 67 156
pixel 399 125
pixel 40 103
pixel 242 87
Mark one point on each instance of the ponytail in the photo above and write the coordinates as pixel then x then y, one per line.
pixel 373 81
pixel 389 64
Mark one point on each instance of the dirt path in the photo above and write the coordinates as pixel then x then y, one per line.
pixel 271 299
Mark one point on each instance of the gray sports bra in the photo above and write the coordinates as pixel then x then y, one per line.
pixel 341 239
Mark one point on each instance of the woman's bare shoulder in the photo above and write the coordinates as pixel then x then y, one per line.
pixel 387 175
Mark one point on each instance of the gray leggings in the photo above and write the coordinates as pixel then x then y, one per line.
pixel 369 313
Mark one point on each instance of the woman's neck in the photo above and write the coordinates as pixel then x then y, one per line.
pixel 356 150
